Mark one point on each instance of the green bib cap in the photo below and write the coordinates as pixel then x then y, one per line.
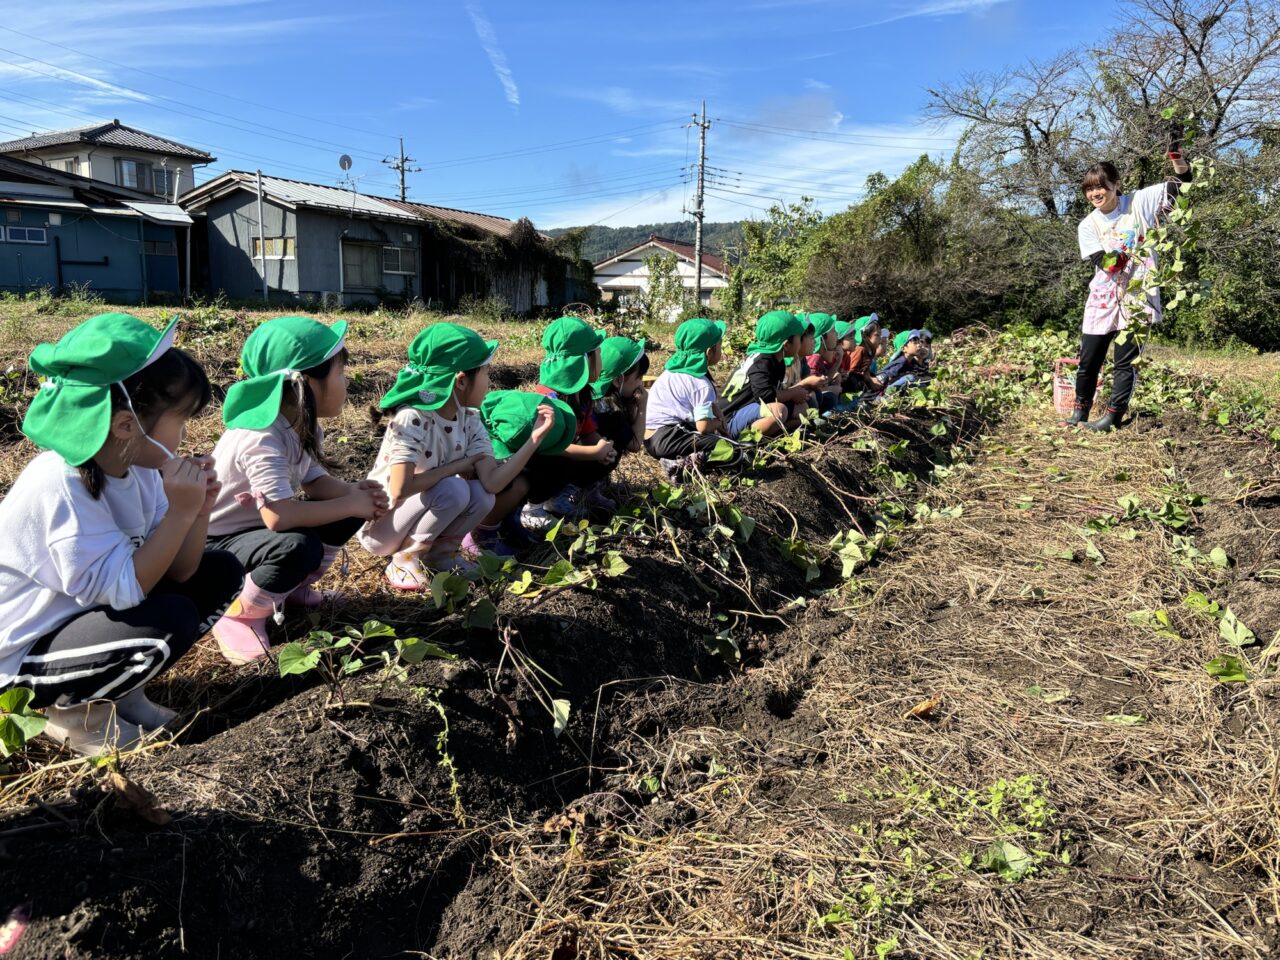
pixel 693 339
pixel 844 330
pixel 773 330
pixel 436 356
pixel 567 342
pixel 279 349
pixel 822 323
pixel 617 356
pixel 71 413
pixel 860 325
pixel 903 338
pixel 508 415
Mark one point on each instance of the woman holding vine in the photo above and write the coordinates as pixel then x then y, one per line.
pixel 1113 238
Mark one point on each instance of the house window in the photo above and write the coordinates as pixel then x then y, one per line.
pixel 160 248
pixel 399 260
pixel 27 235
pixel 66 164
pixel 277 248
pixel 13 216
pixel 163 181
pixel 361 266
pixel 133 174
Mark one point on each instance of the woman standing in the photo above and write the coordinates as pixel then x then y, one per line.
pixel 1111 238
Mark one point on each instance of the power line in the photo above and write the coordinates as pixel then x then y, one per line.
pixel 895 139
pixel 206 115
pixel 225 96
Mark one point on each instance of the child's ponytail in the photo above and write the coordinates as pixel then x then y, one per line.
pixel 305 420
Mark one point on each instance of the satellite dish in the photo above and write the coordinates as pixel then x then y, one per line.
pixel 344 162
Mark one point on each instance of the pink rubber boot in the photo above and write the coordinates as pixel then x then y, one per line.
pixel 305 594
pixel 242 631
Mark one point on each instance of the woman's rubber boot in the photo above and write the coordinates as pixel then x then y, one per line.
pixel 1079 414
pixel 91 729
pixel 305 594
pixel 242 631
pixel 140 710
pixel 1111 420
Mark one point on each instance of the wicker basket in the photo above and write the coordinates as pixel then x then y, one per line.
pixel 1064 387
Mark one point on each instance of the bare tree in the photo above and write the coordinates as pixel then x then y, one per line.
pixel 1024 125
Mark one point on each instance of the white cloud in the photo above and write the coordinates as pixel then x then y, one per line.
pixel 489 41
pixel 414 103
pixel 625 100
pixel 812 84
pixel 751 170
pixel 935 8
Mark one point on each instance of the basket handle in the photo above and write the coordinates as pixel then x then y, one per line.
pixel 1058 364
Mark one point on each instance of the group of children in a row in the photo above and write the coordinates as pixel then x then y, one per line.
pixel 118 553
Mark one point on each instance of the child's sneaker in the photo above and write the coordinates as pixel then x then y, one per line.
pixel 407 575
pixel 567 503
pixel 595 498
pixel 535 518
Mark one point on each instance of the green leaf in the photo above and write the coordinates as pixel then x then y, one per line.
pixel 413 650
pixel 18 722
pixel 1049 696
pixel 376 628
pixel 295 658
pixel 560 711
pixel 554 532
pixel 1025 503
pixel 1198 602
pixel 724 646
pixel 1008 859
pixel 448 588
pixel 1234 632
pixel 722 453
pixel 1226 668
pixel 482 615
pixel 1125 719
pixel 1218 557
pixel 558 573
pixel 614 565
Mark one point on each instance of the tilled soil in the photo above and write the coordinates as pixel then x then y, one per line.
pixel 695 807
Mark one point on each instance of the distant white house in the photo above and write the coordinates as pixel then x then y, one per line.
pixel 625 273
pixel 115 153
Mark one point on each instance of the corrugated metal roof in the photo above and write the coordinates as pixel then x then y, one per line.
pixel 481 221
pixel 113 134
pixel 159 212
pixel 300 193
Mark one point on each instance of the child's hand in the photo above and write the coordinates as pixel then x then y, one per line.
pixel 542 424
pixel 605 453
pixel 368 500
pixel 213 486
pixel 185 485
pixel 467 468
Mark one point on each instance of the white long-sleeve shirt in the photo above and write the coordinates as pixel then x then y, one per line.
pixel 63 553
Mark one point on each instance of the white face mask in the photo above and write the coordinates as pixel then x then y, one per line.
pixel 128 401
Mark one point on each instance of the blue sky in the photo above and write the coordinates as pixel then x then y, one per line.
pixel 568 113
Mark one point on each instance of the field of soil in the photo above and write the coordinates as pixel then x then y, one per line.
pixel 979 725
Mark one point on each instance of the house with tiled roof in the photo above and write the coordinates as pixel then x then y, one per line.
pixel 627 273
pixel 329 244
pixel 116 154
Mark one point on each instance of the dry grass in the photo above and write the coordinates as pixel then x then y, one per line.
pixel 1171 827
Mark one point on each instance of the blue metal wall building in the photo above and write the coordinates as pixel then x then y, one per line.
pixel 58 230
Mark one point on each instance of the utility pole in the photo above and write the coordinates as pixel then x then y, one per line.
pixel 262 242
pixel 699 212
pixel 401 165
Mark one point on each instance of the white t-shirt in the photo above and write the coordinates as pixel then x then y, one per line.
pixel 63 553
pixel 679 398
pixel 1124 228
pixel 258 467
pixel 427 440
